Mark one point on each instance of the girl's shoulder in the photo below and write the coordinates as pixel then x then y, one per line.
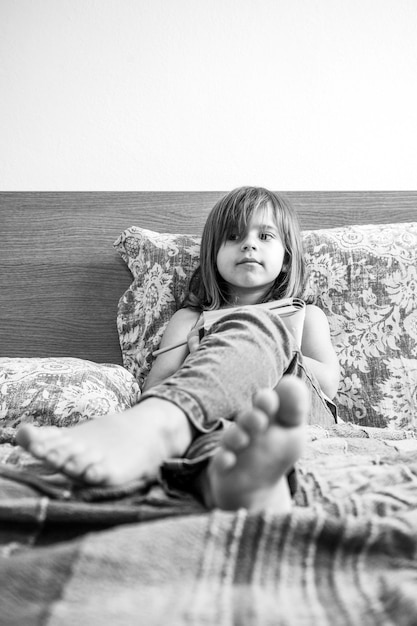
pixel 187 313
pixel 180 324
pixel 315 315
pixel 185 317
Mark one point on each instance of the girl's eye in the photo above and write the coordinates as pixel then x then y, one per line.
pixel 265 236
pixel 233 237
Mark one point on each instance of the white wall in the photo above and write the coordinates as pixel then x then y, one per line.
pixel 208 94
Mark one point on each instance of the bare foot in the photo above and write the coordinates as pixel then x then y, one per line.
pixel 114 449
pixel 249 469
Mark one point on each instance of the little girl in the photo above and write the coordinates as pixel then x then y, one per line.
pixel 209 419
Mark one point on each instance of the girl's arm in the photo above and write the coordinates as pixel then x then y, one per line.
pixel 169 362
pixel 318 352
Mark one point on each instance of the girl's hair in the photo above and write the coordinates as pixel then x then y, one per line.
pixel 232 214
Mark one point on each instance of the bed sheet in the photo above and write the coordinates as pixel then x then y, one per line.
pixel 346 554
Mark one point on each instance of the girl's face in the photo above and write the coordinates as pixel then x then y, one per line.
pixel 251 261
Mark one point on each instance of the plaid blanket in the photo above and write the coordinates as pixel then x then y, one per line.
pixel 346 554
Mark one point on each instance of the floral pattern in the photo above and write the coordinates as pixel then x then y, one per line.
pixel 363 277
pixel 62 391
pixel 161 265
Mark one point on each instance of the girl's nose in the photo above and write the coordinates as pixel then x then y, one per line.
pixel 249 244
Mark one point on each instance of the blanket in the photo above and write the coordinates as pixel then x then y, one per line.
pixel 346 554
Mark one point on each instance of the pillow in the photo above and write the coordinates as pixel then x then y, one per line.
pixel 161 265
pixel 62 391
pixel 365 280
pixel 363 277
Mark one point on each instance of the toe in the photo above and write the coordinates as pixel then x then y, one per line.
pixel 25 435
pixel 254 422
pixel 58 452
pixel 78 460
pixel 223 460
pixel 95 474
pixel 29 436
pixel 294 401
pixel 235 439
pixel 267 400
pixel 42 442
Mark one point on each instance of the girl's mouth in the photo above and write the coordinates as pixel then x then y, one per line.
pixel 248 260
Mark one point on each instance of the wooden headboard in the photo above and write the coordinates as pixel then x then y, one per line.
pixel 61 278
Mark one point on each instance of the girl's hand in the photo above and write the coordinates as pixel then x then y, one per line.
pixel 196 334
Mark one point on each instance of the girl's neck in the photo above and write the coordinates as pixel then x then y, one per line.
pixel 248 298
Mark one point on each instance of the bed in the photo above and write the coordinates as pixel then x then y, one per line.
pixel 87 282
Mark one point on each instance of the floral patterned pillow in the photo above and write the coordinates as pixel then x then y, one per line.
pixel 161 265
pixel 62 391
pixel 364 278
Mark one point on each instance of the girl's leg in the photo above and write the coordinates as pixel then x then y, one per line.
pixel 115 448
pixel 244 353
